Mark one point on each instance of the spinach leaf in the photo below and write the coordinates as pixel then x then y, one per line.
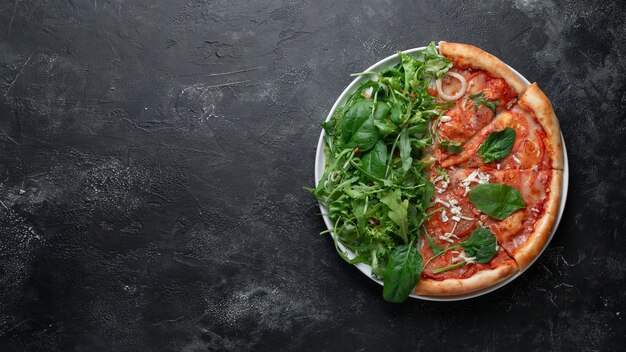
pixel 397 212
pixel 453 147
pixel 479 99
pixel 404 145
pixel 402 273
pixel 497 145
pixel 374 161
pixel 358 128
pixel 496 200
pixel 481 244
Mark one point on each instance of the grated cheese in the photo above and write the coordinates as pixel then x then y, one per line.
pixel 445 118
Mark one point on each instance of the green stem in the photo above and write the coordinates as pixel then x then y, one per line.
pixel 442 252
pixel 449 267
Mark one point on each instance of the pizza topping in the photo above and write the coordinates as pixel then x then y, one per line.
pixel 497 200
pixel 445 118
pixel 476 176
pixel 479 99
pixel 451 146
pixel 444 216
pixel 443 95
pixel 516 159
pixel 480 247
pixel 449 236
pixel 463 257
pixel 437 200
pixel 497 145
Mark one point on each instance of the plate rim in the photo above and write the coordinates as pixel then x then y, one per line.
pixel 320 159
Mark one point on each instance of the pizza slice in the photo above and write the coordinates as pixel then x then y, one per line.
pixel 524 137
pixel 522 225
pixel 479 86
pixel 453 265
pixel 525 231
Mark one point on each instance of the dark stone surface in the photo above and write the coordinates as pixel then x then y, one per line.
pixel 153 154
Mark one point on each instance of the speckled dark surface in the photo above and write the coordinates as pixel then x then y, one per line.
pixel 153 154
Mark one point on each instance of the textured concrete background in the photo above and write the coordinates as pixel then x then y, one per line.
pixel 153 154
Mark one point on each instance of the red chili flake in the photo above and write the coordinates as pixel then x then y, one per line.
pixel 357 151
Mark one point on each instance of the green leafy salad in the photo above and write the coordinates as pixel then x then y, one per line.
pixel 375 185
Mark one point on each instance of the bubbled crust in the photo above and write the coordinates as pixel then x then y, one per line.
pixel 469 55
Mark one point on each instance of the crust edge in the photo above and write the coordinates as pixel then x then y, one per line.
pixel 478 58
pixel 530 250
pixel 535 100
pixel 480 280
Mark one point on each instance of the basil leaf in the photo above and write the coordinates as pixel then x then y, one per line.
pixel 397 212
pixel 358 128
pixel 481 244
pixel 497 145
pixel 496 200
pixel 479 99
pixel 451 146
pixel 404 145
pixel 374 162
pixel 402 273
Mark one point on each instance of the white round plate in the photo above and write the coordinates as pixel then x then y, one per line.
pixel 320 161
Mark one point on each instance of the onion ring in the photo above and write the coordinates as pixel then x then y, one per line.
pixel 458 94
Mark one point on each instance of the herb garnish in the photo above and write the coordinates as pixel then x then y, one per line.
pixel 453 147
pixel 497 145
pixel 496 200
pixel 375 186
pixel 479 99
pixel 480 246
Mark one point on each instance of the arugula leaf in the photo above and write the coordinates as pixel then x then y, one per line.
pixel 481 244
pixel 431 243
pixel 374 161
pixel 453 147
pixel 479 99
pixel 373 212
pixel 397 212
pixel 410 65
pixel 402 273
pixel 435 64
pixel 442 172
pixel 496 200
pixel 497 145
pixel 358 128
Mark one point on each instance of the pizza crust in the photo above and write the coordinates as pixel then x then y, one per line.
pixel 536 101
pixel 480 280
pixel 527 253
pixel 469 55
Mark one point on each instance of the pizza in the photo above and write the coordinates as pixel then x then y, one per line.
pixel 533 166
pixel 443 173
